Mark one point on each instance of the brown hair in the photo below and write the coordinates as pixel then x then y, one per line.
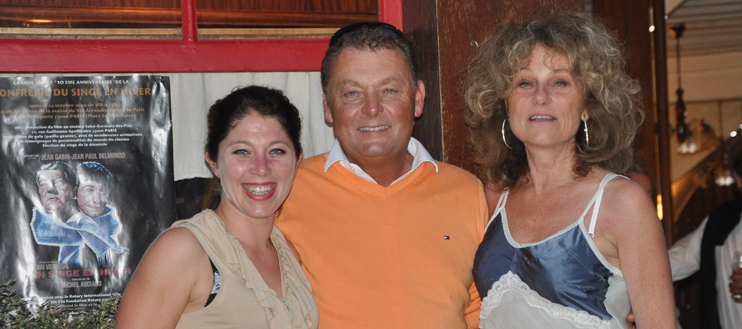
pixel 228 111
pixel 610 96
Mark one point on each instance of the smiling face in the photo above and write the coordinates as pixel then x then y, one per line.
pixel 256 165
pixel 54 190
pixel 372 103
pixel 92 196
pixel 546 103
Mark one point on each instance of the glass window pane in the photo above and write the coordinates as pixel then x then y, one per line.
pixel 280 18
pixel 91 18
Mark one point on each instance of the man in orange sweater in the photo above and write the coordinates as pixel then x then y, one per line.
pixel 386 234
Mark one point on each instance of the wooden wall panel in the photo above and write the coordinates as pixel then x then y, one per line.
pixel 630 20
pixel 93 3
pixel 419 21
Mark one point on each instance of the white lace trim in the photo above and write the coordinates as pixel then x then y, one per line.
pixel 510 282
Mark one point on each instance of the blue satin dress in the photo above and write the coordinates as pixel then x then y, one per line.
pixel 562 281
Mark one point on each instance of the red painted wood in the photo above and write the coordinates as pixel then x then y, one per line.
pixel 158 55
pixel 390 11
pixel 190 24
pixel 59 56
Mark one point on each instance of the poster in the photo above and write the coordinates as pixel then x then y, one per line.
pixel 86 183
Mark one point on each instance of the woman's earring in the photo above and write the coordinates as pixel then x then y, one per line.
pixel 503 134
pixel 587 137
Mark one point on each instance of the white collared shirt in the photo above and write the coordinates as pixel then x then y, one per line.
pixel 685 260
pixel 414 147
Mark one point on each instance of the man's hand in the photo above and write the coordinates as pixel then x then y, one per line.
pixel 735 287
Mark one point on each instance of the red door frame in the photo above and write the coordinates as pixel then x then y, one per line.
pixel 186 55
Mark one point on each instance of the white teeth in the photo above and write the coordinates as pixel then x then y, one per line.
pixel 541 117
pixel 379 128
pixel 260 189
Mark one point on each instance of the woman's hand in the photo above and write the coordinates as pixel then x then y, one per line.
pixel 630 321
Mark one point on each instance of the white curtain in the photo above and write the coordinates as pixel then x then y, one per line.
pixel 193 93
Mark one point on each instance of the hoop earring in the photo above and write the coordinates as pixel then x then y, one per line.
pixel 503 134
pixel 587 137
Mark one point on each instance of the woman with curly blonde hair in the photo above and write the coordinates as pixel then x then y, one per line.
pixel 552 116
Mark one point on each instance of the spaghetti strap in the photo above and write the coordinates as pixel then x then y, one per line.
pixel 596 199
pixel 503 198
pixel 500 204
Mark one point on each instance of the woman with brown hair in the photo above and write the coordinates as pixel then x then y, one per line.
pixel 553 116
pixel 230 266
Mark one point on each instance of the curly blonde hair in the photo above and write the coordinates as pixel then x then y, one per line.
pixel 610 96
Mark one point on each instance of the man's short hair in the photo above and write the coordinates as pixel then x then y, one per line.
pixel 371 36
pixel 95 170
pixel 67 172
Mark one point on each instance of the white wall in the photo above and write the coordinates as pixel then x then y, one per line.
pixel 712 87
pixel 708 77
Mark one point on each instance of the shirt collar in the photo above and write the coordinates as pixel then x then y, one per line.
pixel 414 147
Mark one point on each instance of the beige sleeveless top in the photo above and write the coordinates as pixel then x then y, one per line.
pixel 244 299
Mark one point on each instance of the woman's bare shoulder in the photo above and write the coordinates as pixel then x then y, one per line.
pixel 627 191
pixel 177 248
pixel 178 238
pixel 630 201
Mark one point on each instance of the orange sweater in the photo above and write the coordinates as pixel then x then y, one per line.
pixel 394 257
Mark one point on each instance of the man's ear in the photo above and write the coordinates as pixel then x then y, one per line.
pixel 328 113
pixel 212 164
pixel 419 98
